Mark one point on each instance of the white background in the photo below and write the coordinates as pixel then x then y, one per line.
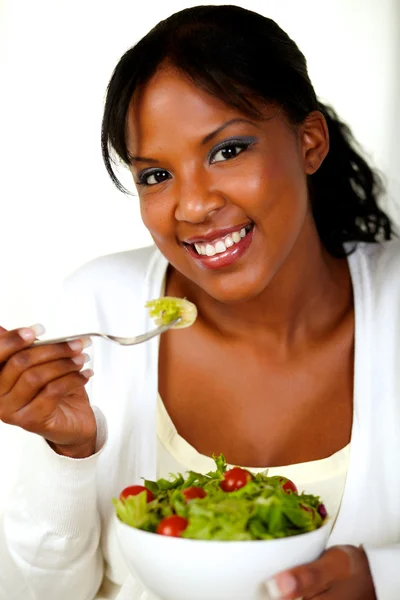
pixel 58 207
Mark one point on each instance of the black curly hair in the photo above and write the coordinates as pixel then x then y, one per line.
pixel 241 57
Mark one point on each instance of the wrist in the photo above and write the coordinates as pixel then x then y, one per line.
pixel 84 450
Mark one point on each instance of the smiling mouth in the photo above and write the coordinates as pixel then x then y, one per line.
pixel 222 244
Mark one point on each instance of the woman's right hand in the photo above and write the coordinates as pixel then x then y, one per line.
pixel 42 390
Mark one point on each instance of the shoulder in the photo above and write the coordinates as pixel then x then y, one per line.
pixel 376 281
pixel 108 293
pixel 115 273
pixel 381 263
pixel 131 263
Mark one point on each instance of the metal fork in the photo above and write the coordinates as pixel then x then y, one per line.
pixel 123 341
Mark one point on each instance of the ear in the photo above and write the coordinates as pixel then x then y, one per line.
pixel 314 140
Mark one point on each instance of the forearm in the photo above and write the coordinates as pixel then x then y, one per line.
pixel 42 566
pixel 51 529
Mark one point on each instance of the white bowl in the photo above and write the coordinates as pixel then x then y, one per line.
pixel 184 569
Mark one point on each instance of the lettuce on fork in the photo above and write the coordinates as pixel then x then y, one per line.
pixel 167 309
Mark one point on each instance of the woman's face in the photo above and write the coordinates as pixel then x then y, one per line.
pixel 223 195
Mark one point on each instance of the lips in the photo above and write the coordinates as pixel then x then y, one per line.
pixel 222 251
pixel 221 244
pixel 216 234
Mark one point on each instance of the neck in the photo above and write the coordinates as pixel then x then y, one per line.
pixel 309 296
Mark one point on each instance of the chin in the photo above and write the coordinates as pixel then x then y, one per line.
pixel 241 292
pixel 235 287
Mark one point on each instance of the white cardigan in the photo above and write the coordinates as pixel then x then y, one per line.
pixel 57 532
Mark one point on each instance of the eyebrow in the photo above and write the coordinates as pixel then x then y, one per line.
pixel 133 159
pixel 208 138
pixel 211 135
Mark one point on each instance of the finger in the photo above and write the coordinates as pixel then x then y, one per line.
pixel 30 357
pixel 2 330
pixel 17 339
pixel 39 416
pixel 32 382
pixel 314 578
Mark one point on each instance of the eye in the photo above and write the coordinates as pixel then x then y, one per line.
pixel 153 177
pixel 229 149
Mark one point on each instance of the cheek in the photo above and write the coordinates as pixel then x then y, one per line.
pixel 271 181
pixel 157 217
pixel 277 200
pixel 283 186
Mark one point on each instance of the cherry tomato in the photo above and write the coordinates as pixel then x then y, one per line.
pixel 134 490
pixel 322 511
pixel 288 486
pixel 193 492
pixel 172 526
pixel 234 479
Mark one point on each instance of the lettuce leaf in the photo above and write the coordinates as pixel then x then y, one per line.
pixel 166 309
pixel 260 510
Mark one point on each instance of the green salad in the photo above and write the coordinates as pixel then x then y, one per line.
pixel 224 505
pixel 167 309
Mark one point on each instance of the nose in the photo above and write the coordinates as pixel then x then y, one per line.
pixel 197 200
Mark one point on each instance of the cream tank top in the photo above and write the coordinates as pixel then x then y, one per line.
pixel 325 478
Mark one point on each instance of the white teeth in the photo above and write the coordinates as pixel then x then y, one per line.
pixel 220 247
pixel 236 237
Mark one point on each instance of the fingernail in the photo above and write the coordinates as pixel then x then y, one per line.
pixel 76 345
pixel 31 333
pixel 272 589
pixel 281 587
pixel 81 359
pixel 88 373
pixel 38 329
pixel 86 342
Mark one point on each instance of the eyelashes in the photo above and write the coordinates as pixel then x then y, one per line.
pixel 225 151
pixel 158 175
pixel 229 149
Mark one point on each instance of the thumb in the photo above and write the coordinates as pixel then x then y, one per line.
pixel 312 578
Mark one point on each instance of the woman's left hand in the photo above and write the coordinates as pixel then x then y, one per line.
pixel 342 573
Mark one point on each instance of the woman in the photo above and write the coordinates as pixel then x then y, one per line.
pixel 266 217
